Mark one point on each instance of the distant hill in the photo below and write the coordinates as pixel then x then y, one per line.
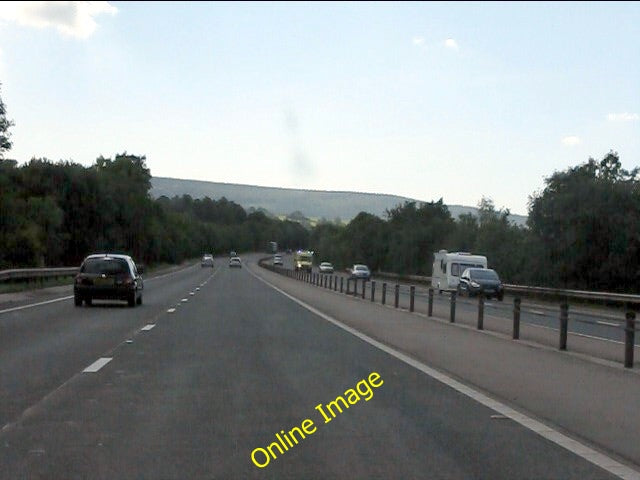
pixel 282 201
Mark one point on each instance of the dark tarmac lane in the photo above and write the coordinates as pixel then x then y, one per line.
pixel 193 396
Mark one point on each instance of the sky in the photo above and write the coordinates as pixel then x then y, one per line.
pixel 457 101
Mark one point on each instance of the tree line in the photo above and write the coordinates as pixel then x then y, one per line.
pixel 583 229
pixel 55 214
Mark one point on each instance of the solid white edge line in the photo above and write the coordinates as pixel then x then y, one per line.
pixel 575 447
pixel 97 365
pixel 35 304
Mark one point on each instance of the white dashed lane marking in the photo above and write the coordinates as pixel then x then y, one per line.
pixel 148 327
pixel 97 365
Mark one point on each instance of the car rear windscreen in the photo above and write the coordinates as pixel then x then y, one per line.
pixel 105 266
pixel 484 275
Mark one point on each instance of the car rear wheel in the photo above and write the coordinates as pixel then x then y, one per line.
pixel 77 300
pixel 88 301
pixel 139 301
pixel 132 300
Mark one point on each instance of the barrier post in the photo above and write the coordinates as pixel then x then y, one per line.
pixel 412 296
pixel 452 311
pixel 516 318
pixel 630 332
pixel 564 325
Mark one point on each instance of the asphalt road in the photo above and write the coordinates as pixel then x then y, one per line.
pixel 193 396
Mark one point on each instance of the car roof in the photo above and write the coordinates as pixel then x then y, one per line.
pixel 325 263
pixel 108 255
pixel 235 258
pixel 360 265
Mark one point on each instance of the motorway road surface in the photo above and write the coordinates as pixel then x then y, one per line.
pixel 190 393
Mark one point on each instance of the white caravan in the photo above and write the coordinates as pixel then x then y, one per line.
pixel 448 266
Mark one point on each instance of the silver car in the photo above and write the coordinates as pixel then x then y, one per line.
pixel 360 271
pixel 207 260
pixel 325 267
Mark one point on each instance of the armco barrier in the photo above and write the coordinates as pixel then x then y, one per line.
pixel 36 273
pixel 628 325
pixel 542 292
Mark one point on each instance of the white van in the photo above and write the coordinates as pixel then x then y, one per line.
pixel 447 268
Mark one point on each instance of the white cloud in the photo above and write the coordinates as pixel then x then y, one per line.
pixel 451 43
pixel 571 141
pixel 623 117
pixel 419 41
pixel 75 19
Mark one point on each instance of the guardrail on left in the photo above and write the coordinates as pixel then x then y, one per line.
pixel 36 273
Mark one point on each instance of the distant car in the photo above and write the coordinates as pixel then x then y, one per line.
pixel 207 260
pixel 289 251
pixel 235 262
pixel 475 281
pixel 360 271
pixel 277 260
pixel 233 254
pixel 325 267
pixel 107 276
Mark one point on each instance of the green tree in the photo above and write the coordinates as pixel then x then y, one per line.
pixel 414 233
pixel 587 218
pixel 5 135
pixel 500 241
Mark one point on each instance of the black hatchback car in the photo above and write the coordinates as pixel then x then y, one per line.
pixel 475 281
pixel 108 276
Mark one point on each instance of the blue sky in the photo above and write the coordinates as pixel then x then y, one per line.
pixel 425 100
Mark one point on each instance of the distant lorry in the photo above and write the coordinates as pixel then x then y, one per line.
pixel 448 266
pixel 303 260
